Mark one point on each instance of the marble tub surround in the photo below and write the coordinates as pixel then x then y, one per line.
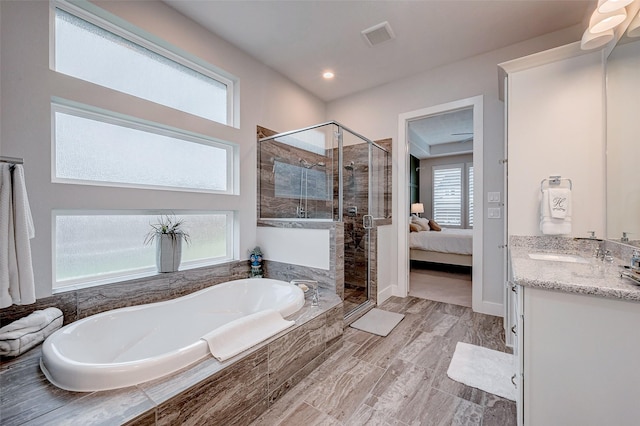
pixel 208 392
pixel 596 278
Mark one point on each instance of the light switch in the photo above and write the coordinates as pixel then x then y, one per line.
pixel 493 212
pixel 493 197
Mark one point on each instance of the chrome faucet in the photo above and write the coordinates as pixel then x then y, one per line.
pixel 315 298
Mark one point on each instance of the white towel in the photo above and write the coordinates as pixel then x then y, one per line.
pixel 25 333
pixel 550 225
pixel 6 231
pixel 559 202
pixel 239 335
pixel 16 229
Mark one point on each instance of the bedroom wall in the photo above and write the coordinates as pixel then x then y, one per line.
pixel 27 83
pixel 426 177
pixel 375 113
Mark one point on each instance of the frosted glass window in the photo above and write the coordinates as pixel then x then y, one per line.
pixel 91 53
pixel 93 249
pixel 112 153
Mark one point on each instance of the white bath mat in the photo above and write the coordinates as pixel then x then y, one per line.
pixel 378 322
pixel 483 368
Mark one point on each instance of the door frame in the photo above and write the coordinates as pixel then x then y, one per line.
pixel 401 190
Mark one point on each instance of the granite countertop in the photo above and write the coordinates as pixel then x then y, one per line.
pixel 595 277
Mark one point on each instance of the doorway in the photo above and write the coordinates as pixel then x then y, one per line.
pixel 402 207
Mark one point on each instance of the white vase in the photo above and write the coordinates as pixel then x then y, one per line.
pixel 168 253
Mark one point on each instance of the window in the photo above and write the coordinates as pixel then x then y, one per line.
pixel 92 146
pixel 99 247
pixel 447 195
pixel 101 149
pixel 103 54
pixel 450 196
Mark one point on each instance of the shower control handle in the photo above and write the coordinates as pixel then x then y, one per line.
pixel 367 221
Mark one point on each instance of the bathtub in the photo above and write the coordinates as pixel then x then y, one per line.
pixel 127 346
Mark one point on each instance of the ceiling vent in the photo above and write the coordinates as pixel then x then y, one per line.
pixel 378 34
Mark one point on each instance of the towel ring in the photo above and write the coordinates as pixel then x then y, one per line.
pixel 555 181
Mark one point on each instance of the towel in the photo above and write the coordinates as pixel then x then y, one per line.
pixel 6 227
pixel 550 225
pixel 559 202
pixel 17 285
pixel 239 335
pixel 27 332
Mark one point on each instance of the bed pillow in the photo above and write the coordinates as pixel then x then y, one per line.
pixel 434 225
pixel 414 227
pixel 421 222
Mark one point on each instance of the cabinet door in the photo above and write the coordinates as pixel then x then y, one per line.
pixel 518 355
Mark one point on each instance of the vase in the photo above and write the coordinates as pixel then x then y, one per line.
pixel 168 252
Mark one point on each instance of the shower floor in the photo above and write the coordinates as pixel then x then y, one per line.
pixel 354 296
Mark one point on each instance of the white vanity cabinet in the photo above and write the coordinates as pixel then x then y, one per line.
pixel 579 357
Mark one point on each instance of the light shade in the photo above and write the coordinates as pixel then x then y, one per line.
pixel 634 27
pixel 417 208
pixel 605 6
pixel 600 22
pixel 593 41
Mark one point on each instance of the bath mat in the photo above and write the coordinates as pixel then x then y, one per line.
pixel 483 368
pixel 377 321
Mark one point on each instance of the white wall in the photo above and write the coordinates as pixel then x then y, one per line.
pixel 27 84
pixel 556 127
pixel 305 247
pixel 375 112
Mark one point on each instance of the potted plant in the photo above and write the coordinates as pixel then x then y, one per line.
pixel 169 235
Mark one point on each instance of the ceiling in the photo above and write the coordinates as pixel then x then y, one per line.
pixel 301 39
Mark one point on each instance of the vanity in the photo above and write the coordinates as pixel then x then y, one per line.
pixel 573 322
pixel 576 342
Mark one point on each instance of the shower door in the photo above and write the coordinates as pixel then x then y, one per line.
pixel 355 188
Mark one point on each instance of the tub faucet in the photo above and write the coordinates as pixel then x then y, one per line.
pixel 315 298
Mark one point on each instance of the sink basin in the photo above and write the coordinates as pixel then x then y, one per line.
pixel 553 257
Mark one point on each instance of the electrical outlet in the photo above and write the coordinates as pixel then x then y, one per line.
pixel 493 197
pixel 493 212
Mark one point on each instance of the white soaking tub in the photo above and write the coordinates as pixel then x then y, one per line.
pixel 127 346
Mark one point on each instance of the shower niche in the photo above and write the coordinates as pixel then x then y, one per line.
pixel 329 173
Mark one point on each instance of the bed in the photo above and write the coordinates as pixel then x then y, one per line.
pixel 448 246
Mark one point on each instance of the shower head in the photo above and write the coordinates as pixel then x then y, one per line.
pixel 351 166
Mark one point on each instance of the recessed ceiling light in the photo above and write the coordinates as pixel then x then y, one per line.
pixel 328 75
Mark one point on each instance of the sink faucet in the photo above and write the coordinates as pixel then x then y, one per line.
pixel 315 298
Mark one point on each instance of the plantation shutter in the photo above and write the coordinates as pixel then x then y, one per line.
pixel 470 191
pixel 447 195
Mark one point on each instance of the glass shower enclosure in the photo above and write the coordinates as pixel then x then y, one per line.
pixel 328 172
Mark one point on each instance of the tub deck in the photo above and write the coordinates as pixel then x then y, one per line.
pixel 252 381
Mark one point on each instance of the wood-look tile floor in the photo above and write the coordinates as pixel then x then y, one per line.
pixel 400 379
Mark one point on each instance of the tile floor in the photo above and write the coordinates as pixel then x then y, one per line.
pixel 400 379
pixel 441 285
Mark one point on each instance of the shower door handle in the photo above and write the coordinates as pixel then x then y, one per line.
pixel 367 221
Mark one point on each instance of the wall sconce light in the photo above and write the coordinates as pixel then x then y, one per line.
pixel 634 27
pixel 606 21
pixel 605 6
pixel 593 41
pixel 417 208
pixel 608 15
